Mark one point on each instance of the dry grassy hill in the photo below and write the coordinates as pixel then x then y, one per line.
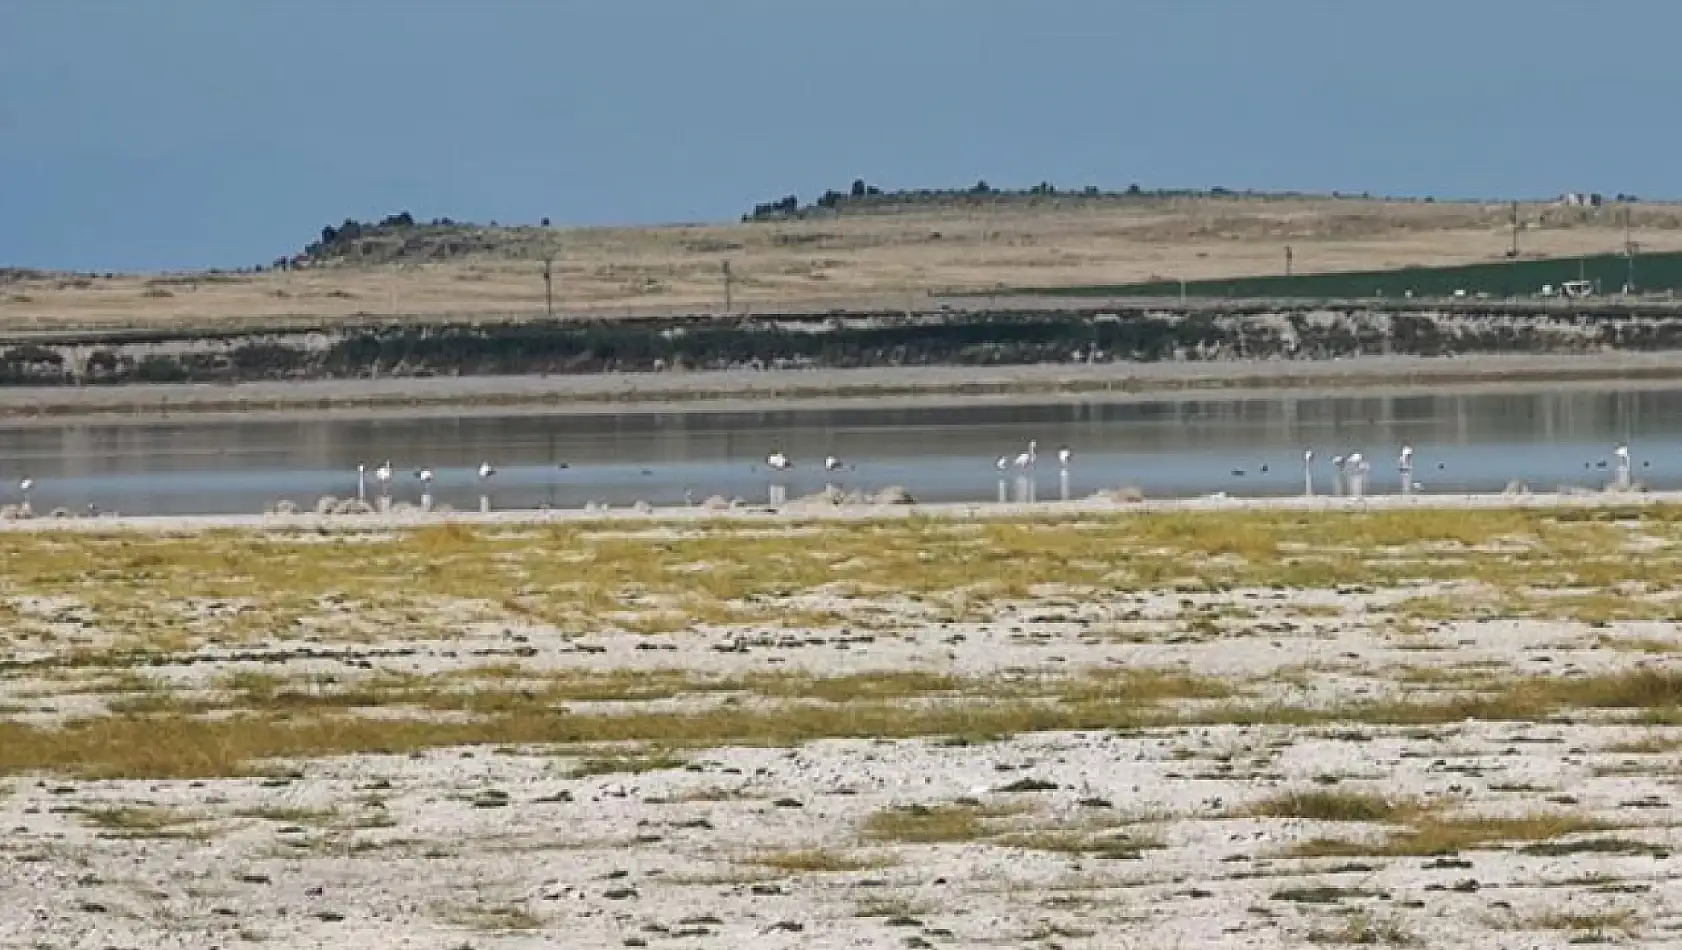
pixel 881 258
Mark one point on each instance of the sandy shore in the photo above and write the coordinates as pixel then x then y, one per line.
pixel 664 392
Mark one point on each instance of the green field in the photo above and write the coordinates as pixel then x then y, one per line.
pixel 1653 272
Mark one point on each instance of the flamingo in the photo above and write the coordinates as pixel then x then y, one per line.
pixel 1404 464
pixel 778 463
pixel 361 482
pixel 1622 477
pixel 486 470
pixel 1308 472
pixel 425 476
pixel 1357 466
pixel 25 486
pixel 1030 457
pixel 832 464
pixel 1063 457
pixel 383 474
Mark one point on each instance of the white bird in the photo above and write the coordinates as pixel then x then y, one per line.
pixel 1357 467
pixel 1405 461
pixel 485 470
pixel 832 463
pixel 1029 457
pixel 1063 456
pixel 425 475
pixel 1003 463
pixel 778 461
pixel 25 485
pixel 383 473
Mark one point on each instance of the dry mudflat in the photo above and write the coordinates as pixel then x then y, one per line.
pixel 1432 722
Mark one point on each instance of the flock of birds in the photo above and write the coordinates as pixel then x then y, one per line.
pixel 1026 460
pixel 384 474
pixel 1350 470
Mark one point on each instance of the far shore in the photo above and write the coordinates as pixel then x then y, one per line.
pixel 727 390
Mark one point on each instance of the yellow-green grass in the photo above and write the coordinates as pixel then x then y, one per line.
pixel 816 861
pixel 184 743
pixel 142 821
pixel 1434 832
pixel 158 594
pixel 1006 826
pixel 172 592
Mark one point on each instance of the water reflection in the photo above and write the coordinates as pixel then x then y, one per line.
pixel 1464 441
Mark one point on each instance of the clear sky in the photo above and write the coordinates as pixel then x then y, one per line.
pixel 155 134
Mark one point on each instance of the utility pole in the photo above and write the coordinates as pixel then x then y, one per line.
pixel 727 301
pixel 1513 252
pixel 549 283
pixel 1630 247
pixel 1287 260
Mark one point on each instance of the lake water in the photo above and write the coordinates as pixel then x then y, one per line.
pixel 1176 447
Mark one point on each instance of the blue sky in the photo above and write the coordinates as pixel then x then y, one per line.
pixel 158 134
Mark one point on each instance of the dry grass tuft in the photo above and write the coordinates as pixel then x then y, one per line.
pixel 1338 806
pixel 1588 926
pixel 505 919
pixel 935 824
pixel 1431 834
pixel 1361 929
pixel 816 861
pixel 143 822
pixel 626 764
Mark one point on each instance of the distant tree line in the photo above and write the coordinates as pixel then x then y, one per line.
pixel 338 237
pixel 863 196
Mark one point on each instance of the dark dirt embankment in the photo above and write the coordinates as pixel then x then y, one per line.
pixel 1115 347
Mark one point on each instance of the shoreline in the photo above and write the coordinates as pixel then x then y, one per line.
pixel 724 390
pixel 796 513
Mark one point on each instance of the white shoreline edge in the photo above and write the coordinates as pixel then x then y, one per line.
pixel 798 512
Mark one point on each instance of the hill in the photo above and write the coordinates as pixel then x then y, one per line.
pixel 882 252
